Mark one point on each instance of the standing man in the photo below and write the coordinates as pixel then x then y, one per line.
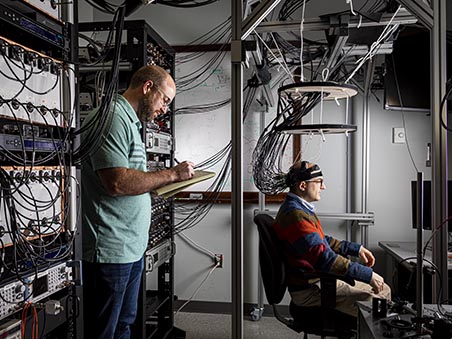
pixel 116 205
pixel 307 249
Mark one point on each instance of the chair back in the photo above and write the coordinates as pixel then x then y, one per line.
pixel 270 260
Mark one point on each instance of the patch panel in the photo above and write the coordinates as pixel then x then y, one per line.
pixel 31 85
pixel 38 203
pixel 160 221
pixel 156 55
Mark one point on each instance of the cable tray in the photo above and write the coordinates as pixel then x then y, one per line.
pixel 330 89
pixel 317 129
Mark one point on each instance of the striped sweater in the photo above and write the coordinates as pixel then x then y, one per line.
pixel 308 249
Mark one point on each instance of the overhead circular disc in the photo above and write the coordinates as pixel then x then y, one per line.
pixel 317 129
pixel 331 90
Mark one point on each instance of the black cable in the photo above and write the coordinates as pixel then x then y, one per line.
pixel 101 121
pixel 443 102
pixel 268 173
pixel 188 216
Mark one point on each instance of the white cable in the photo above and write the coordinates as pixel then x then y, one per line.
pixel 197 289
pixel 350 2
pixel 268 48
pixel 297 158
pixel 325 74
pixel 388 30
pixel 191 241
pixel 318 155
pixel 321 107
pixel 323 135
pixel 301 41
pixel 77 187
pixel 360 21
pixel 307 142
pixel 280 53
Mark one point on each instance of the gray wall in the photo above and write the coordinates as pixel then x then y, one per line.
pixel 391 171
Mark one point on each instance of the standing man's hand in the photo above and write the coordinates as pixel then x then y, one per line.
pixel 367 257
pixel 183 171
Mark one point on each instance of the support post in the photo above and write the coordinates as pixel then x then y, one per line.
pixel 237 171
pixel 439 147
pixel 419 258
pixel 366 148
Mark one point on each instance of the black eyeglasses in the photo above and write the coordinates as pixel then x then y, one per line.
pixel 320 181
pixel 166 99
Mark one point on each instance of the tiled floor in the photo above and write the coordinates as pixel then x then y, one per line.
pixel 218 326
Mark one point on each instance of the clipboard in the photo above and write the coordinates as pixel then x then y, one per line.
pixel 174 188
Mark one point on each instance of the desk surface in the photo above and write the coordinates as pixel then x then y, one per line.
pixel 405 250
pixel 402 250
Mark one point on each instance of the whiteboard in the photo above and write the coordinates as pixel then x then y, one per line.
pixel 201 135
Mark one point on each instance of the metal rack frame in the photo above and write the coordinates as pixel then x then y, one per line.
pixel 156 304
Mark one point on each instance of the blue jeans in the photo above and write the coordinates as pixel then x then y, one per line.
pixel 110 298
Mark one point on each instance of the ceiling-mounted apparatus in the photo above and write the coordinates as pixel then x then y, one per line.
pixel 298 99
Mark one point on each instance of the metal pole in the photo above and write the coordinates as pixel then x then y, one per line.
pixel 365 150
pixel 439 147
pixel 420 258
pixel 237 175
pixel 260 287
pixel 348 174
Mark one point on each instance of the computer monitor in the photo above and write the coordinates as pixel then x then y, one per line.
pixel 427 204
pixel 407 75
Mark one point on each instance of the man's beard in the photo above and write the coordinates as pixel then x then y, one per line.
pixel 144 109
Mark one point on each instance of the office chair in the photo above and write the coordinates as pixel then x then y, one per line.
pixel 322 321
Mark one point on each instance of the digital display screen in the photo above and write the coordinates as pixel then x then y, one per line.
pixel 40 286
pixel 55 38
pixel 40 145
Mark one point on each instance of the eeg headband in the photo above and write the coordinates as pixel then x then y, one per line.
pixel 303 173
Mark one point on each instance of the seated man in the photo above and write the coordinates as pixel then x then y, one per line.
pixel 307 248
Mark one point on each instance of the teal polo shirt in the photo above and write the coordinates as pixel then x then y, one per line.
pixel 115 229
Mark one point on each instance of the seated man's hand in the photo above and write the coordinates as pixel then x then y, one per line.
pixel 367 257
pixel 377 282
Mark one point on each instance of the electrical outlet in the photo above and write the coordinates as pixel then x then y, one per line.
pixel 398 135
pixel 219 260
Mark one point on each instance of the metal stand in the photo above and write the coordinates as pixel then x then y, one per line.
pixel 258 311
